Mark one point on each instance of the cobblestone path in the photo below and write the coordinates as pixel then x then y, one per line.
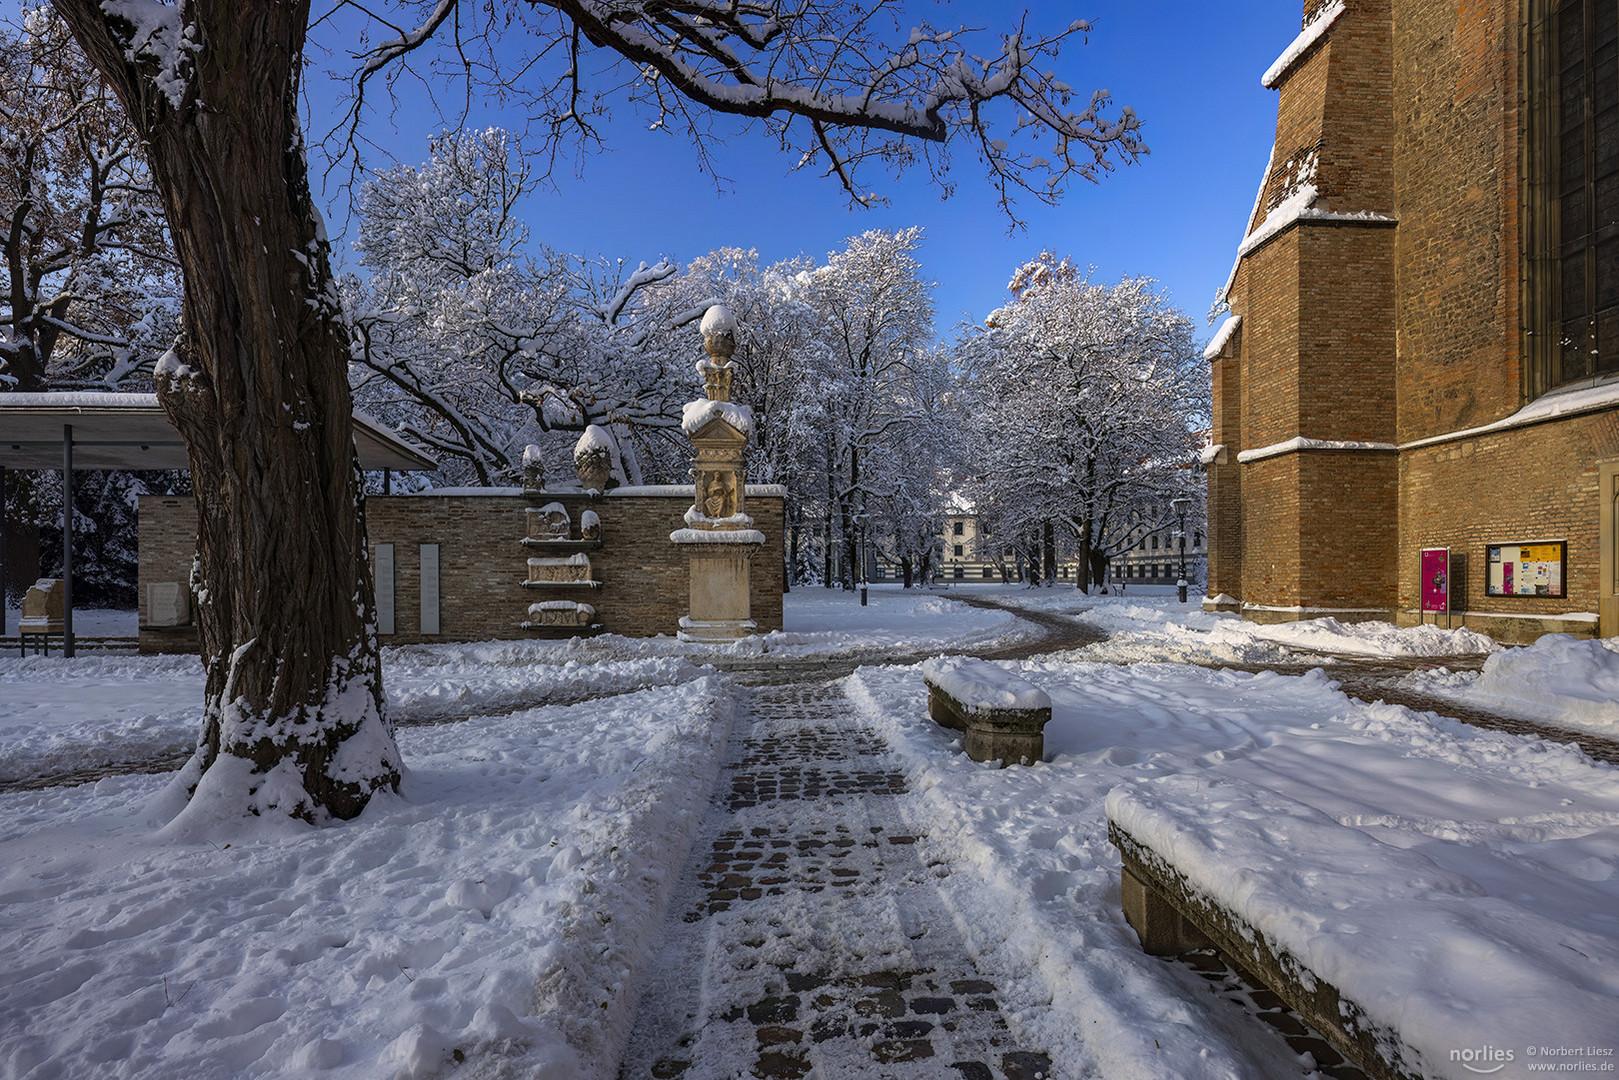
pixel 808 934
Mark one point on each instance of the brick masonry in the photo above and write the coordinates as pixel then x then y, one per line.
pixel 1399 326
pixel 482 565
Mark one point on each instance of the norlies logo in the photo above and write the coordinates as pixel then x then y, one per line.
pixel 1483 1060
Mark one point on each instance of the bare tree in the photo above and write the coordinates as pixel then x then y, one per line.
pixel 257 384
pixel 90 277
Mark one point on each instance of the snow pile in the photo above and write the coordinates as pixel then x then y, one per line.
pixel 1560 680
pixel 1159 628
pixel 1371 638
pixel 501 908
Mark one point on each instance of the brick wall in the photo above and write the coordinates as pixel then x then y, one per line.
pixel 1457 131
pixel 482 564
pixel 1399 335
pixel 1535 483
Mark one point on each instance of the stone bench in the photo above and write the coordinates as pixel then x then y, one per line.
pixel 1408 969
pixel 43 614
pixel 1001 716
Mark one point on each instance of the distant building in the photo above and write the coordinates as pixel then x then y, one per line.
pixel 1156 559
pixel 968 554
pixel 1424 349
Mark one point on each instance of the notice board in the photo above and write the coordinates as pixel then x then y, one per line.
pixel 1538 568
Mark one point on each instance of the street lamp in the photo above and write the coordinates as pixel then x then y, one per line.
pixel 861 520
pixel 1179 506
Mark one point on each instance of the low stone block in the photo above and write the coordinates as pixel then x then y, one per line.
pixel 1001 716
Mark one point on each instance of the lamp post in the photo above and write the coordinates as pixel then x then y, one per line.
pixel 861 520
pixel 1179 506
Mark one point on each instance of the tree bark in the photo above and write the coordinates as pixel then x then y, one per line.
pixel 260 394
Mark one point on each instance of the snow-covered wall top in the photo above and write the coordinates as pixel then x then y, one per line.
pixel 1307 37
pixel 684 491
pixel 1222 337
pixel 1301 443
pixel 1300 206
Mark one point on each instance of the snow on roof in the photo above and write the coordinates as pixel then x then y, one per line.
pixel 696 415
pixel 1221 338
pixel 1307 37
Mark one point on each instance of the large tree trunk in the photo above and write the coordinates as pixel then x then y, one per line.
pixel 294 719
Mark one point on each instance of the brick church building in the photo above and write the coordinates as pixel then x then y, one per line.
pixel 1423 348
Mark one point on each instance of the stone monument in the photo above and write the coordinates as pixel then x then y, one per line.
pixel 719 537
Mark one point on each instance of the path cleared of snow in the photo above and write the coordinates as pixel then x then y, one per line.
pixel 1151 625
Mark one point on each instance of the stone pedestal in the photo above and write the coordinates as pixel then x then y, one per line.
pixel 720 538
pixel 721 608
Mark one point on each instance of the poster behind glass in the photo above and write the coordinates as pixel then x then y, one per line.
pixel 1538 569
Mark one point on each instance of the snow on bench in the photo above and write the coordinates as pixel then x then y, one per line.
pixel 1001 716
pixel 1408 968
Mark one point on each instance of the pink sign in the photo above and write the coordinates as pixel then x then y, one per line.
pixel 1435 579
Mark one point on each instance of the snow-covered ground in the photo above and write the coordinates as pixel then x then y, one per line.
pixel 498 910
pixel 1560 680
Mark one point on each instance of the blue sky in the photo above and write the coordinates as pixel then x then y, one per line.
pixel 1190 70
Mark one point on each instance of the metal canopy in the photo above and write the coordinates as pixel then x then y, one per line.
pixel 131 431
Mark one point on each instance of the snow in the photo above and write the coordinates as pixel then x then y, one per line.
pixel 1449 965
pixel 696 415
pixel 1560 680
pixel 718 320
pixel 1222 337
pixel 716 536
pixel 504 907
pixel 1533 826
pixel 594 438
pixel 1300 45
pixel 1301 443
pixel 93 399
pixel 1211 454
pixel 1300 206
pixel 979 686
pixel 1552 406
